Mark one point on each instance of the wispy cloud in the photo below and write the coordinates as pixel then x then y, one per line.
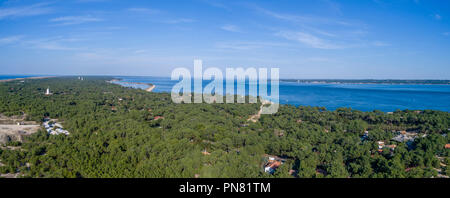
pixel 56 43
pixel 231 28
pixel 437 17
pixel 321 42
pixel 51 43
pixel 179 20
pixel 318 59
pixel 140 51
pixel 312 22
pixel 333 6
pixel 116 28
pixel 217 4
pixel 281 16
pixel 90 1
pixel 446 33
pixel 299 19
pixel 73 20
pixel 321 32
pixel 161 16
pixel 32 10
pixel 309 40
pixel 50 46
pixel 380 44
pixel 10 39
pixel 244 45
pixel 144 10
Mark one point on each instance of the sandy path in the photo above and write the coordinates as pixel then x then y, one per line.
pixel 255 118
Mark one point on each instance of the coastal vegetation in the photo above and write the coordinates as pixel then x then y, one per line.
pixel 118 131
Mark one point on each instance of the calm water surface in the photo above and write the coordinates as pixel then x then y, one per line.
pixel 364 97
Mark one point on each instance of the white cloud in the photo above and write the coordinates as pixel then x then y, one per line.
pixel 282 16
pixel 301 19
pixel 148 11
pixel 10 39
pixel 144 10
pixel 309 40
pixel 140 51
pixel 180 20
pixel 380 44
pixel 116 28
pixel 322 32
pixel 231 28
pixel 244 45
pixel 72 20
pixel 318 59
pixel 51 46
pixel 48 45
pixel 54 43
pixel 32 10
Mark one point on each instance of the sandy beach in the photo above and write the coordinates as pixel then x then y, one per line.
pixel 28 78
pixel 118 81
pixel 150 89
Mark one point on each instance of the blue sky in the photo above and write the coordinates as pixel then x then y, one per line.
pixel 402 39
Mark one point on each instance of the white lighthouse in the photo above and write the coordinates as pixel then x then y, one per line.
pixel 48 91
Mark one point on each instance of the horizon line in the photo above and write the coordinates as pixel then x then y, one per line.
pixel 111 75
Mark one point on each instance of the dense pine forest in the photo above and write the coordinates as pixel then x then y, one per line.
pixel 123 132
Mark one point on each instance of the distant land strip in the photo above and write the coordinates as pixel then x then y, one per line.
pixel 369 81
pixel 27 78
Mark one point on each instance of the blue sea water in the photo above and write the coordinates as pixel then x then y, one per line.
pixel 7 77
pixel 364 97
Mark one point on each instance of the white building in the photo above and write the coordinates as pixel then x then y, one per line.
pixel 268 169
pixel 47 92
pixel 54 128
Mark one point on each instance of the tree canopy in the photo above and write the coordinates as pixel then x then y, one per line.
pixel 123 132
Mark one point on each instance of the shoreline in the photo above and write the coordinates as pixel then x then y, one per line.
pixel 27 78
pixel 378 82
pixel 118 81
pixel 150 89
pixel 332 83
